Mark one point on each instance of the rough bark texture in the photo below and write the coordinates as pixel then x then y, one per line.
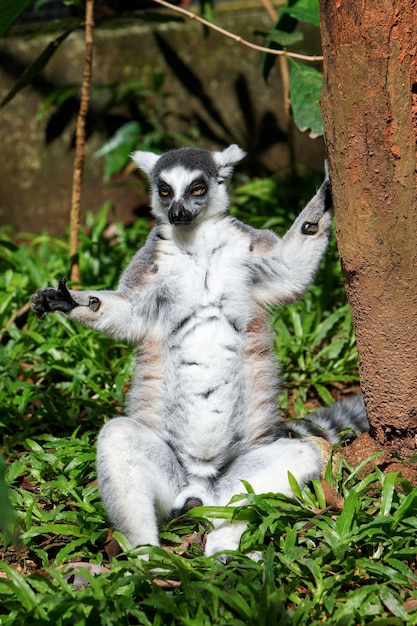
pixel 369 105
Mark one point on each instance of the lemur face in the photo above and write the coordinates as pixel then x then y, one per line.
pixel 188 184
pixel 183 202
pixel 182 194
pixel 181 182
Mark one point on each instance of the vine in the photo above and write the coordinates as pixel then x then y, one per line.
pixel 237 38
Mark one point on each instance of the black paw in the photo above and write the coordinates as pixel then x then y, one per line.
pixel 190 503
pixel 48 300
pixel 309 228
pixel 328 196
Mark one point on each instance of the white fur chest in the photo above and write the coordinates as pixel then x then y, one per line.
pixel 202 395
pixel 206 272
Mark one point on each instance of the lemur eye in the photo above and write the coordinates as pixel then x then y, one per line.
pixel 200 190
pixel 164 191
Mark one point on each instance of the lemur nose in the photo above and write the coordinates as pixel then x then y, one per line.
pixel 179 215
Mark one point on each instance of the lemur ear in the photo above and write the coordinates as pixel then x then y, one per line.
pixel 145 161
pixel 227 159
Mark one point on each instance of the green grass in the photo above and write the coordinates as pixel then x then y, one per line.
pixel 345 564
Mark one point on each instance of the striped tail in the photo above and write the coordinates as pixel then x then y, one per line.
pixel 340 422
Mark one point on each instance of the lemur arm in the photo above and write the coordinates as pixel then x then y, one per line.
pixel 286 267
pixel 108 312
pixel 122 314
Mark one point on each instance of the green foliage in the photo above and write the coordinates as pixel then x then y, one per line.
pixel 149 129
pixel 59 383
pixel 305 80
pixel 304 10
pixel 43 366
pixel 7 516
pixel 349 567
pixel 59 513
pixel 305 92
pixel 117 149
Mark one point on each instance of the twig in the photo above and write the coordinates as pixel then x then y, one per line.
pixel 270 9
pixel 80 143
pixel 237 38
pixel 22 311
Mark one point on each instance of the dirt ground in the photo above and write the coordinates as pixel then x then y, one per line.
pixel 364 446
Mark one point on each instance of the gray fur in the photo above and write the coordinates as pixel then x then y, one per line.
pixel 189 158
pixel 347 415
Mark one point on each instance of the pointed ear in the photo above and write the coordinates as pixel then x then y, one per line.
pixel 227 159
pixel 145 161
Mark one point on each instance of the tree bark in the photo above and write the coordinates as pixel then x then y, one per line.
pixel 369 105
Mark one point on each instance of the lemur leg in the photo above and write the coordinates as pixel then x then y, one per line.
pixel 266 469
pixel 139 478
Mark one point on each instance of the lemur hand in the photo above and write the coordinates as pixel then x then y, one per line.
pixel 321 205
pixel 328 197
pixel 48 300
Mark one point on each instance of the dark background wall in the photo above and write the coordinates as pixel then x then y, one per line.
pixel 213 94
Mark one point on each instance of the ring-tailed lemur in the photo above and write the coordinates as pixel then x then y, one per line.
pixel 202 412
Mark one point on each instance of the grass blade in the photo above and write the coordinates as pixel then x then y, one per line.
pixel 387 493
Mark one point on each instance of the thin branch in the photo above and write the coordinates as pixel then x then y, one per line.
pixel 80 143
pixel 237 38
pixel 270 9
pixel 22 311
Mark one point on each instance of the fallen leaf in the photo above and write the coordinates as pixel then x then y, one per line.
pixel 410 604
pixel 111 547
pixel 333 498
pixel 166 584
pixel 27 486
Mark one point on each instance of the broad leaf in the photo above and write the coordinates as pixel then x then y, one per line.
pixel 305 11
pixel 294 485
pixel 305 91
pixel 117 149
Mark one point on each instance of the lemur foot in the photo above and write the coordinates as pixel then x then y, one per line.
pixel 48 300
pixel 190 503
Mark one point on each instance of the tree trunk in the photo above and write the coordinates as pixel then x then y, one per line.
pixel 369 105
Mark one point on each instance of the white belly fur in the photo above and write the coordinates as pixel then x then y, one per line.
pixel 207 386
